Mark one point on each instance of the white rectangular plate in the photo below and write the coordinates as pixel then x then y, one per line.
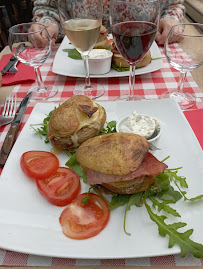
pixel 30 224
pixel 64 65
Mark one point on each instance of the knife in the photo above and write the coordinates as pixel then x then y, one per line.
pixel 13 131
pixel 12 61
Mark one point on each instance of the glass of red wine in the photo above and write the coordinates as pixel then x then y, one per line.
pixel 134 25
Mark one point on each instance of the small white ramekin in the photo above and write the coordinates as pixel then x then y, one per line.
pixel 100 64
pixel 157 134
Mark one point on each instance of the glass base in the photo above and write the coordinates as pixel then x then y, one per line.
pixel 130 98
pixel 95 91
pixel 184 99
pixel 43 94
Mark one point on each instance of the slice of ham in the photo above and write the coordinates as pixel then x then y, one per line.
pixel 150 166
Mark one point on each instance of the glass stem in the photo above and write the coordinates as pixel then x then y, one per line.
pixel 40 83
pixel 87 72
pixel 181 81
pixel 132 79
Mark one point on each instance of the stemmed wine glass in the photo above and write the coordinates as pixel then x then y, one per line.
pixel 81 25
pixel 25 46
pixel 134 25
pixel 186 57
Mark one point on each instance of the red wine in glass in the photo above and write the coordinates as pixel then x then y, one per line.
pixel 133 39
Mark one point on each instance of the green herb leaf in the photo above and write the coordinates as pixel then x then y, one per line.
pixel 73 54
pixel 85 199
pixel 165 207
pixel 42 131
pixel 110 128
pixel 120 69
pixel 135 199
pixel 74 165
pixel 195 198
pixel 119 200
pixel 170 195
pixel 175 237
pixel 95 188
pixel 172 174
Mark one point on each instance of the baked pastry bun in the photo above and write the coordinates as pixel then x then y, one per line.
pixel 114 153
pixel 75 121
pixel 119 61
pixel 119 162
pixel 102 41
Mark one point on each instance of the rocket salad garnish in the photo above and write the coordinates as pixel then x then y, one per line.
pixel 157 199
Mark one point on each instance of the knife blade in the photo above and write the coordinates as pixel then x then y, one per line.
pixel 12 61
pixel 13 131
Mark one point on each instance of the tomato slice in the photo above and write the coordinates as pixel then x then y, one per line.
pixel 80 221
pixel 39 164
pixel 61 188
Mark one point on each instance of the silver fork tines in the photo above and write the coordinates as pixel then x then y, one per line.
pixel 9 110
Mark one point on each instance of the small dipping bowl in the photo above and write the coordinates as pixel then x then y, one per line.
pixel 152 138
pixel 100 61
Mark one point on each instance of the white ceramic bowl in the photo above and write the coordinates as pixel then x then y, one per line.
pixel 155 136
pixel 100 61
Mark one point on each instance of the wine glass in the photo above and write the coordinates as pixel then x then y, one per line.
pixel 134 25
pixel 81 25
pixel 186 57
pixel 27 48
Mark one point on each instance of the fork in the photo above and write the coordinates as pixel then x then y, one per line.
pixel 9 110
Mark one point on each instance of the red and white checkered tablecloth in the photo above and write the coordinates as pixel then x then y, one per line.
pixel 149 85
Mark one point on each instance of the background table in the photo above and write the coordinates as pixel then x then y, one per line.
pixel 151 86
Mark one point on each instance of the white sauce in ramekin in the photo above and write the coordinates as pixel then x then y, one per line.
pixel 98 54
pixel 140 124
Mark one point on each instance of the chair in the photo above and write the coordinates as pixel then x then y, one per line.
pixel 13 12
pixel 194 10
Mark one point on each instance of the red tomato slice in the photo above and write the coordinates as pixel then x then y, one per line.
pixel 80 221
pixel 39 164
pixel 61 188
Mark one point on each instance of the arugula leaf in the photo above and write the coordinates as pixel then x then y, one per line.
pixel 110 128
pixel 173 177
pixel 119 68
pixel 170 195
pixel 135 199
pixel 161 184
pixel 95 188
pixel 73 54
pixel 84 200
pixel 175 237
pixel 42 131
pixel 162 188
pixel 119 200
pixel 165 207
pixel 74 165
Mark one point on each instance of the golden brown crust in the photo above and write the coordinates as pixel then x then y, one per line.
pixel 102 43
pixel 114 154
pixel 131 186
pixel 120 62
pixel 75 121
